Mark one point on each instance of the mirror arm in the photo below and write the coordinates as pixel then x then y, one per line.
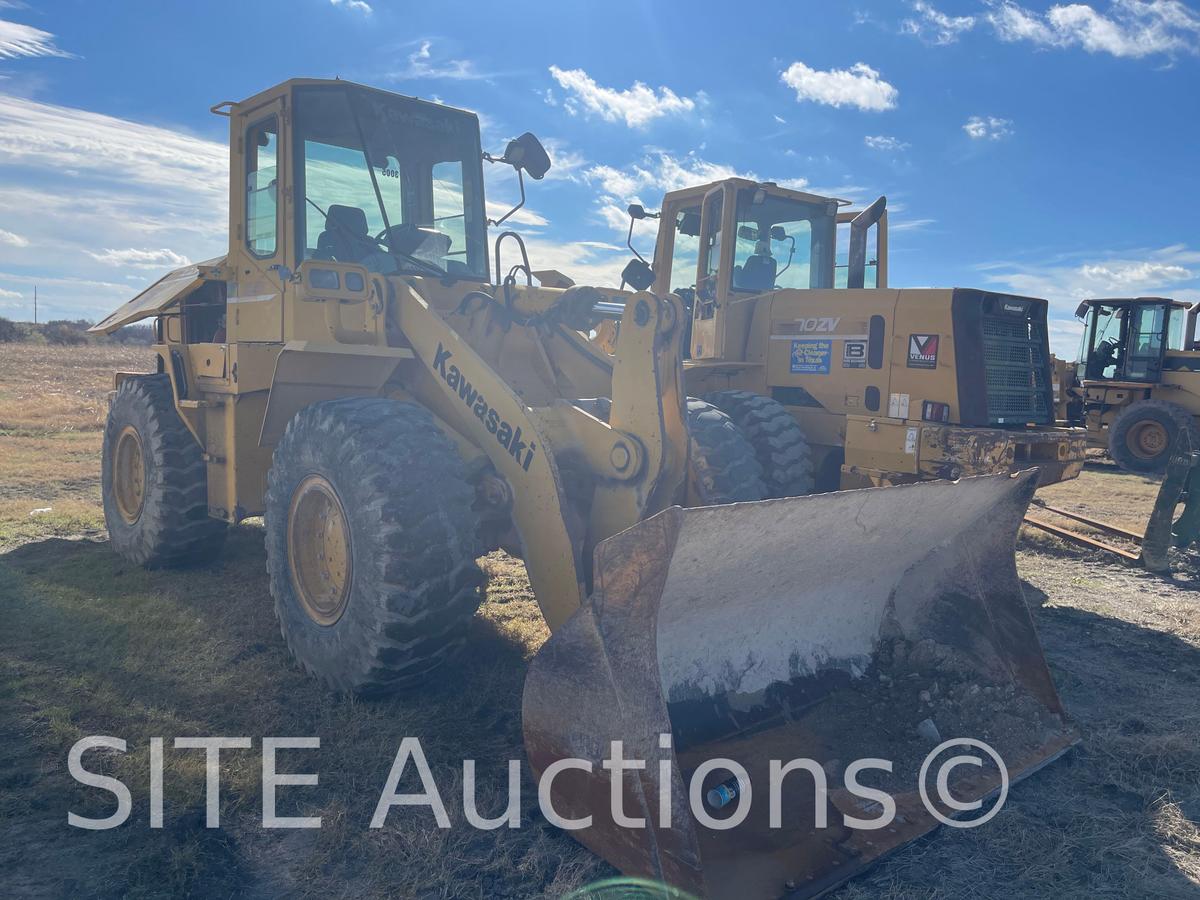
pixel 629 240
pixel 521 182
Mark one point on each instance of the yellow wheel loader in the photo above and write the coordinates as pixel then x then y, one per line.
pixel 1137 383
pixel 790 306
pixel 349 371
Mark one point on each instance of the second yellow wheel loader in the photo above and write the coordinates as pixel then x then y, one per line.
pixel 792 317
pixel 349 371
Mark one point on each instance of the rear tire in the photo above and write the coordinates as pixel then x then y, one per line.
pixel 1141 438
pixel 371 544
pixel 723 467
pixel 154 480
pixel 776 437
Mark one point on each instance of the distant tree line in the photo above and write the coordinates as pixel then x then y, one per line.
pixel 71 333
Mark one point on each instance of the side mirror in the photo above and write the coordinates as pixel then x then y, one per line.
pixel 778 234
pixel 638 274
pixel 689 224
pixel 747 232
pixel 636 211
pixel 1081 310
pixel 527 153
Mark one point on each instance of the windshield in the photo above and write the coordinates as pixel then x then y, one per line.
pixel 390 183
pixel 782 243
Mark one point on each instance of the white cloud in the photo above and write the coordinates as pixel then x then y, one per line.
pixel 586 262
pixel 885 142
pixel 1129 28
pixel 859 86
pixel 141 259
pixel 18 40
pixel 657 173
pixel 637 106
pixel 987 128
pixel 909 224
pixel 523 216
pixel 13 240
pixel 1172 271
pixel 661 171
pixel 935 27
pixel 422 64
pixel 356 5
pixel 780 119
pixel 1127 276
pixel 10 295
pixel 94 147
pixel 566 164
pixel 73 183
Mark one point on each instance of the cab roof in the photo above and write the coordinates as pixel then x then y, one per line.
pixel 227 107
pixel 698 191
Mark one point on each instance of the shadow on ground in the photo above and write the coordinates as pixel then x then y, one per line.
pixel 94 646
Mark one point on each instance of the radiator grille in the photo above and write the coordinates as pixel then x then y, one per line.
pixel 1015 369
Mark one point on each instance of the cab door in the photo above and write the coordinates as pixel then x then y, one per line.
pixel 712 274
pixel 1146 342
pixel 259 209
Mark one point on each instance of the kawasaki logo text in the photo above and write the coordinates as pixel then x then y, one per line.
pixel 508 437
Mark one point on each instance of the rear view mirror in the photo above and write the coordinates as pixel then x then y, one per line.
pixel 748 233
pixel 689 224
pixel 638 274
pixel 527 153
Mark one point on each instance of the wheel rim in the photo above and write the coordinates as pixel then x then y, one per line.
pixel 319 550
pixel 1147 439
pixel 129 475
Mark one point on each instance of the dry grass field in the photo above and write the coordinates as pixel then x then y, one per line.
pixel 90 645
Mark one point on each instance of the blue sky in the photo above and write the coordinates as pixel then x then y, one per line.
pixel 1049 150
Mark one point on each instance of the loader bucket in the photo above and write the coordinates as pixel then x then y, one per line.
pixel 824 628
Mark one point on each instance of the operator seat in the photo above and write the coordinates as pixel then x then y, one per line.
pixel 345 237
pixel 756 274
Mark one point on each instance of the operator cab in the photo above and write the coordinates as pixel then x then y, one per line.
pixel 731 240
pixel 391 183
pixel 1127 339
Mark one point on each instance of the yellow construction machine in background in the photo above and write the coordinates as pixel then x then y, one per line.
pixel 1136 386
pixel 792 316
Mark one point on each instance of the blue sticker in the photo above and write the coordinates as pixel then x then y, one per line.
pixel 811 357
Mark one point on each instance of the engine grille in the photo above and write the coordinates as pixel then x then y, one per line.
pixel 1015 369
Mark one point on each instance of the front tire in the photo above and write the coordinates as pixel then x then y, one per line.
pixel 371 544
pixel 776 437
pixel 1141 438
pixel 154 480
pixel 722 464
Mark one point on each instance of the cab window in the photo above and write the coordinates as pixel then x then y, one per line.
pixel 390 183
pixel 262 158
pixel 685 250
pixel 842 266
pixel 781 242
pixel 1145 342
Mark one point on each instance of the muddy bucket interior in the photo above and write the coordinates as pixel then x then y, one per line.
pixel 867 624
